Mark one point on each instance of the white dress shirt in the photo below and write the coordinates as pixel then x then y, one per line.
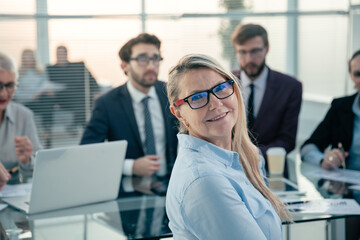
pixel 259 89
pixel 157 124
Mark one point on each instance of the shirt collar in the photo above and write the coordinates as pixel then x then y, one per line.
pixel 259 82
pixel 224 156
pixel 355 107
pixel 138 96
pixel 9 113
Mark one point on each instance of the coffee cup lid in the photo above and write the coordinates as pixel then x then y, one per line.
pixel 276 151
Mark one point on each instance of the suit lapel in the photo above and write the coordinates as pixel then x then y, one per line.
pixel 266 101
pixel 168 118
pixel 347 118
pixel 128 111
pixel 160 91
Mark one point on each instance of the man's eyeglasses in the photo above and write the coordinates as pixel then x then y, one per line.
pixel 200 99
pixel 9 87
pixel 256 52
pixel 143 61
pixel 356 74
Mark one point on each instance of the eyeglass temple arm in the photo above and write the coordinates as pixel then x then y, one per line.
pixel 179 102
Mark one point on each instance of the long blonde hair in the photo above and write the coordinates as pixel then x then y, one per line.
pixel 240 140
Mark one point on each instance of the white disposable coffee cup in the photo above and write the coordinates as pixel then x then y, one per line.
pixel 276 160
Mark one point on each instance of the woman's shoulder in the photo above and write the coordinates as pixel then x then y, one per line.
pixel 190 167
pixel 20 111
pixel 197 162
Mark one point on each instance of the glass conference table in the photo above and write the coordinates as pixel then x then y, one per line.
pixel 143 216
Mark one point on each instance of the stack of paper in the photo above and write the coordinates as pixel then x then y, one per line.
pixel 326 206
pixel 16 190
pixel 340 175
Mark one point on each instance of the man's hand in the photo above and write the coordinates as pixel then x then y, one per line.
pixel 333 159
pixel 23 149
pixel 147 165
pixel 4 176
pixel 338 187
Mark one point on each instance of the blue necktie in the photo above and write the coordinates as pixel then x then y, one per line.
pixel 149 134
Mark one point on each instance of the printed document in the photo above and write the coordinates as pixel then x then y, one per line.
pixel 16 190
pixel 340 175
pixel 327 206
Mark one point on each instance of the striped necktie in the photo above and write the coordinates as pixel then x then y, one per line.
pixel 149 134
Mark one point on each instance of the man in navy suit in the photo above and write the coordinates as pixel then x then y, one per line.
pixel 121 115
pixel 273 99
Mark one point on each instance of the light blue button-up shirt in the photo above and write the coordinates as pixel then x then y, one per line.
pixel 210 197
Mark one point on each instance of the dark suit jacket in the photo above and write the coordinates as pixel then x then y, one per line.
pixel 72 76
pixel 277 120
pixel 337 126
pixel 113 119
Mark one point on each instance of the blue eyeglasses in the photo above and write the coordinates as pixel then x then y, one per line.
pixel 200 99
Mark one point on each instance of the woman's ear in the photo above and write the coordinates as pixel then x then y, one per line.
pixel 177 113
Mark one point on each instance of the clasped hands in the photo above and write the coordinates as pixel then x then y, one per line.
pixel 23 150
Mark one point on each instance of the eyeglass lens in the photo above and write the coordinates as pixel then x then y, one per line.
pixel 221 91
pixel 356 74
pixel 253 53
pixel 9 86
pixel 144 60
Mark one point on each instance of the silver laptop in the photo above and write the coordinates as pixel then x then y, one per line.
pixel 73 176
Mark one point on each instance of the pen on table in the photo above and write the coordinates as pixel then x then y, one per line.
pixel 14 170
pixel 297 202
pixel 341 148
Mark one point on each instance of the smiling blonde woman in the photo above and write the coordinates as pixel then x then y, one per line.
pixel 216 190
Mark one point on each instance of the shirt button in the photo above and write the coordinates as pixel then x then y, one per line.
pixel 247 182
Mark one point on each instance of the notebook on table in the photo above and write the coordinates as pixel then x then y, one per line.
pixel 73 176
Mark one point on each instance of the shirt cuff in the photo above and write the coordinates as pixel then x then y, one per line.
pixel 127 184
pixel 27 169
pixel 27 166
pixel 311 154
pixel 128 166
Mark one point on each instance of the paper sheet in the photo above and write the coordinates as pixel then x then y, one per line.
pixel 16 190
pixel 355 187
pixel 327 206
pixel 341 175
pixel 2 206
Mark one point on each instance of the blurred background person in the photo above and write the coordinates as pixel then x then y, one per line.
pixel 80 87
pixel 18 136
pixel 340 130
pixel 36 92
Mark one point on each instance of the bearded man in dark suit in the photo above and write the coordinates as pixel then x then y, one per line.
pixel 273 99
pixel 122 113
